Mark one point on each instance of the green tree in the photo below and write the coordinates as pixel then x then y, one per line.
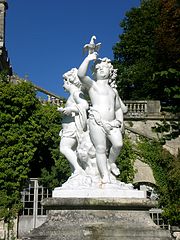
pixel 147 58
pixel 57 174
pixel 168 35
pixel 167 42
pixel 17 103
pixel 28 143
pixel 145 52
pixel 134 54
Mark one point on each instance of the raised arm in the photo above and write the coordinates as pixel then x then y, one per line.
pixel 86 80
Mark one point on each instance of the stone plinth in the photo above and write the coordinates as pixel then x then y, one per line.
pixel 98 219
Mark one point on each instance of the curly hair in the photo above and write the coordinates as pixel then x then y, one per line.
pixel 107 61
pixel 72 77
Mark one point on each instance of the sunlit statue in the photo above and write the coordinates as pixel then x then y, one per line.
pixel 91 136
pixel 105 115
pixel 74 121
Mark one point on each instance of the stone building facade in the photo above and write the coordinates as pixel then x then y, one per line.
pixel 4 60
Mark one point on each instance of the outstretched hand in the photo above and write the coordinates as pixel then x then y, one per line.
pixel 66 110
pixel 60 109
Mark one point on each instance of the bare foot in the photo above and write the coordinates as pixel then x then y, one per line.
pixel 106 179
pixel 115 169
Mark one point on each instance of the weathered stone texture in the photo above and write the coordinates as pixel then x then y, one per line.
pixel 100 224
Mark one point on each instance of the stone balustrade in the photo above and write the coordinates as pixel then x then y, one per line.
pixel 150 109
pixel 143 109
pixel 54 100
pixel 136 108
pixel 51 100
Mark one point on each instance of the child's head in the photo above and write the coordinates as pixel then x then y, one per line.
pixel 72 77
pixel 104 62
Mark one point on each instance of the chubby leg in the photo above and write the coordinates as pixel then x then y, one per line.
pixel 98 138
pixel 115 138
pixel 66 148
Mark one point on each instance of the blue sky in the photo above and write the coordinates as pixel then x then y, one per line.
pixel 45 38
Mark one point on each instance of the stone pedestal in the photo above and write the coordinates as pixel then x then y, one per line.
pixel 98 219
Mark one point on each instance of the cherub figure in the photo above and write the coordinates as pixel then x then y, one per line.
pixel 74 120
pixel 105 115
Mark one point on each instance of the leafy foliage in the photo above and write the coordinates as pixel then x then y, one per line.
pixel 166 169
pixel 29 141
pixel 171 91
pixel 57 175
pixel 17 103
pixel 145 52
pixel 168 130
pixel 169 82
pixel 125 162
pixel 135 52
pixel 167 35
pixel 47 121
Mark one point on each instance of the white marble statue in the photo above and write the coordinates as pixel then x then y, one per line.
pixel 105 115
pixel 74 122
pixel 91 136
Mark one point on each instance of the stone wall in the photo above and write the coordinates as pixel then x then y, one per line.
pixel 143 127
pixel 6 234
pixel 2 229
